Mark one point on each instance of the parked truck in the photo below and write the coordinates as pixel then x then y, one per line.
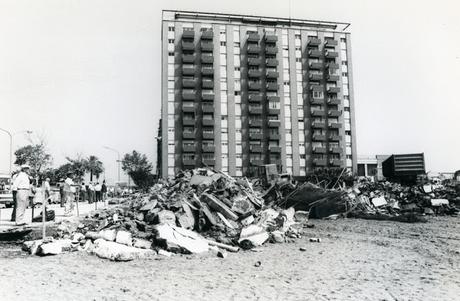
pixel 404 167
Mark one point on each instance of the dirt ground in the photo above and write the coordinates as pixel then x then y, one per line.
pixel 356 260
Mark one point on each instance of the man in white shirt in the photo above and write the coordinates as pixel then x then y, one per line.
pixel 91 197
pixel 22 186
pixel 47 187
pixel 68 195
pixel 98 190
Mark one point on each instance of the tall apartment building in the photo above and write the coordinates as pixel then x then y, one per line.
pixel 241 91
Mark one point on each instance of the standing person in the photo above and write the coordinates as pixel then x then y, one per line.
pixel 104 191
pixel 83 191
pixel 22 184
pixel 61 191
pixel 68 195
pixel 90 193
pixel 47 188
pixel 14 191
pixel 98 189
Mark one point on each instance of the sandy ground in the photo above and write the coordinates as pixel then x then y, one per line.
pixel 356 260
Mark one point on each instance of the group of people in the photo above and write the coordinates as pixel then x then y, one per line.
pixel 93 192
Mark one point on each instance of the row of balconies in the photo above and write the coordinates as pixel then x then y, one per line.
pixel 256 49
pixel 204 46
pixel 205 107
pixel 323 150
pixel 319 77
pixel 192 95
pixel 258 86
pixel 205 71
pixel 322 125
pixel 318 65
pixel 204 121
pixel 192 148
pixel 260 149
pixel 320 101
pixel 256 61
pixel 206 58
pixel 321 88
pixel 190 35
pixel 327 42
pixel 269 38
pixel 260 136
pixel 256 73
pixel 192 83
pixel 322 112
pixel 258 109
pixel 315 53
pixel 193 135
pixel 259 97
pixel 321 137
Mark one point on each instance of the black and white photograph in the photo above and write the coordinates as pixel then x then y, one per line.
pixel 229 150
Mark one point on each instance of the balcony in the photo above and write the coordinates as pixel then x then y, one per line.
pixel 188 162
pixel 331 54
pixel 318 113
pixel 188 46
pixel 188 34
pixel 254 85
pixel 272 74
pixel 257 162
pixel 255 97
pixel 208 135
pixel 207 83
pixel 254 49
pixel 207 71
pixel 271 50
pixel 335 125
pixel 188 108
pixel 188 135
pixel 319 88
pixel 333 90
pixel 332 66
pixel 207 122
pixel 319 150
pixel 274 149
pixel 316 101
pixel 272 86
pixel 188 58
pixel 319 162
pixel 316 66
pixel 188 121
pixel 256 136
pixel 273 111
pixel 256 148
pixel 207 47
pixel 186 70
pixel 315 77
pixel 333 78
pixel 274 123
pixel 207 58
pixel 271 38
pixel 274 136
pixel 210 162
pixel 255 109
pixel 207 108
pixel 207 35
pixel 254 61
pixel 335 162
pixel 330 43
pixel 318 124
pixel 334 113
pixel 207 96
pixel 208 148
pixel 333 101
pixel 254 73
pixel 188 148
pixel 255 122
pixel 189 95
pixel 314 42
pixel 253 37
pixel 334 138
pixel 335 150
pixel 273 98
pixel 319 137
pixel 314 53
pixel 271 62
pixel 189 83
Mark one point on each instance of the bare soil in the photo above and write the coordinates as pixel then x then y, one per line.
pixel 355 260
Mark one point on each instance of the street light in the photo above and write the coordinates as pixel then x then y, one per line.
pixel 11 144
pixel 118 153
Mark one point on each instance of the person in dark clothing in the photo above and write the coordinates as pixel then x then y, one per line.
pixel 104 191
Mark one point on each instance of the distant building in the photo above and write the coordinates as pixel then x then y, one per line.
pixel 241 91
pixel 371 166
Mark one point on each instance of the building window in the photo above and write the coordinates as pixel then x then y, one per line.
pixel 171 41
pixel 170 28
pixel 223 43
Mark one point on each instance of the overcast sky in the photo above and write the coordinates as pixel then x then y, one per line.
pixel 86 73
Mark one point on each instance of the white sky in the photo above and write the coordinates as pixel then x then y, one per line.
pixel 86 73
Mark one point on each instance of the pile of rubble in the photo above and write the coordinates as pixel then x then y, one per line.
pixel 197 212
pixel 393 201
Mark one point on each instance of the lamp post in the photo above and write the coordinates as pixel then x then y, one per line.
pixel 11 144
pixel 118 161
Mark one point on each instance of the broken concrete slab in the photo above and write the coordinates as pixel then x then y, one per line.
pixel 177 239
pixel 219 206
pixel 118 252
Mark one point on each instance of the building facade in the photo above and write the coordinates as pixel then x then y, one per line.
pixel 242 91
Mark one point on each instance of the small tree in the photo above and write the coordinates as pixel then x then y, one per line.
pixel 139 169
pixel 94 166
pixel 34 155
pixel 77 167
